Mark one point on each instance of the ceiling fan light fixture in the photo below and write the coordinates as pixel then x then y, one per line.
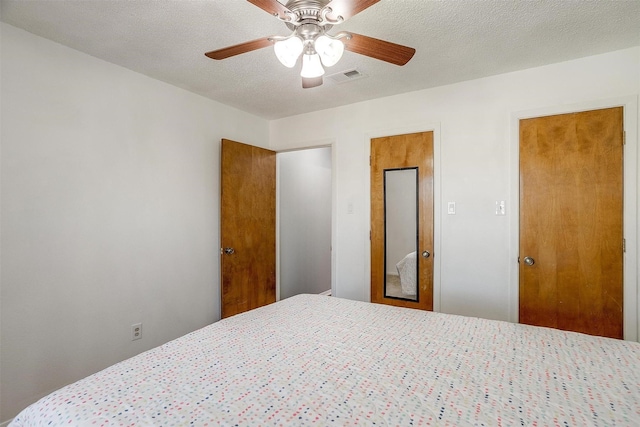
pixel 311 66
pixel 330 50
pixel 309 21
pixel 288 50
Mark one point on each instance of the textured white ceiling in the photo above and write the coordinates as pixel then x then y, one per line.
pixel 455 41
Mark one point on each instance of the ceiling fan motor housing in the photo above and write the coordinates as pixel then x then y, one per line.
pixel 309 11
pixel 308 6
pixel 310 31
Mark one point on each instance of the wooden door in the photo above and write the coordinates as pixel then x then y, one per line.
pixel 571 222
pixel 397 152
pixel 248 221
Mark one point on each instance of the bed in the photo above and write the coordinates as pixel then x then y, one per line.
pixel 408 272
pixel 319 360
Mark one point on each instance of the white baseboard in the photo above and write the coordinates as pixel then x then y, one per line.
pixel 326 293
pixel 6 423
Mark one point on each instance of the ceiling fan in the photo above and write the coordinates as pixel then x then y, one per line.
pixel 309 21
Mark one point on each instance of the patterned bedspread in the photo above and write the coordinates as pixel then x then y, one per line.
pixel 315 360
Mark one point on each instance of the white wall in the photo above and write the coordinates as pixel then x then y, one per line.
pixel 304 217
pixel 110 189
pixel 472 120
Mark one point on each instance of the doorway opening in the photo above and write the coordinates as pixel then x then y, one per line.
pixel 304 212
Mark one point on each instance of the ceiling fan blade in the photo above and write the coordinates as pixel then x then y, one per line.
pixel 272 7
pixel 239 48
pixel 309 82
pixel 379 49
pixel 347 8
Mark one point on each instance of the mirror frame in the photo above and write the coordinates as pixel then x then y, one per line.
pixel 417 232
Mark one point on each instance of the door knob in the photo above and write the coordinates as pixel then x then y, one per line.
pixel 229 251
pixel 426 254
pixel 529 261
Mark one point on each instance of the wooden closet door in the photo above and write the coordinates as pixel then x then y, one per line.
pixel 394 152
pixel 571 237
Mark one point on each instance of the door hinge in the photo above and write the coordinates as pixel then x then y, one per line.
pixel 369 234
pixel 624 137
pixel 369 160
pixel 624 245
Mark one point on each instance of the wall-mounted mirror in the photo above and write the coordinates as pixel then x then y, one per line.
pixel 401 233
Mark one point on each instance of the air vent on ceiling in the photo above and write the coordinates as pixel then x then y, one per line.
pixel 346 76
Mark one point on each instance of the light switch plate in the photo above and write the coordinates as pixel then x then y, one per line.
pixel 451 208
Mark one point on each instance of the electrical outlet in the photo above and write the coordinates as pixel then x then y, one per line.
pixel 136 331
pixel 451 208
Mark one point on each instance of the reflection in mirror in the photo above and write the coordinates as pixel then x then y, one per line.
pixel 401 233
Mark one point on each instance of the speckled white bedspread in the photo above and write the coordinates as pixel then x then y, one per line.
pixel 315 360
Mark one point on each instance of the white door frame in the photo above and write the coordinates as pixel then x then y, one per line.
pixel 334 194
pixel 426 127
pixel 630 201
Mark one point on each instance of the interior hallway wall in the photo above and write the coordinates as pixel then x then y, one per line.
pixel 304 211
